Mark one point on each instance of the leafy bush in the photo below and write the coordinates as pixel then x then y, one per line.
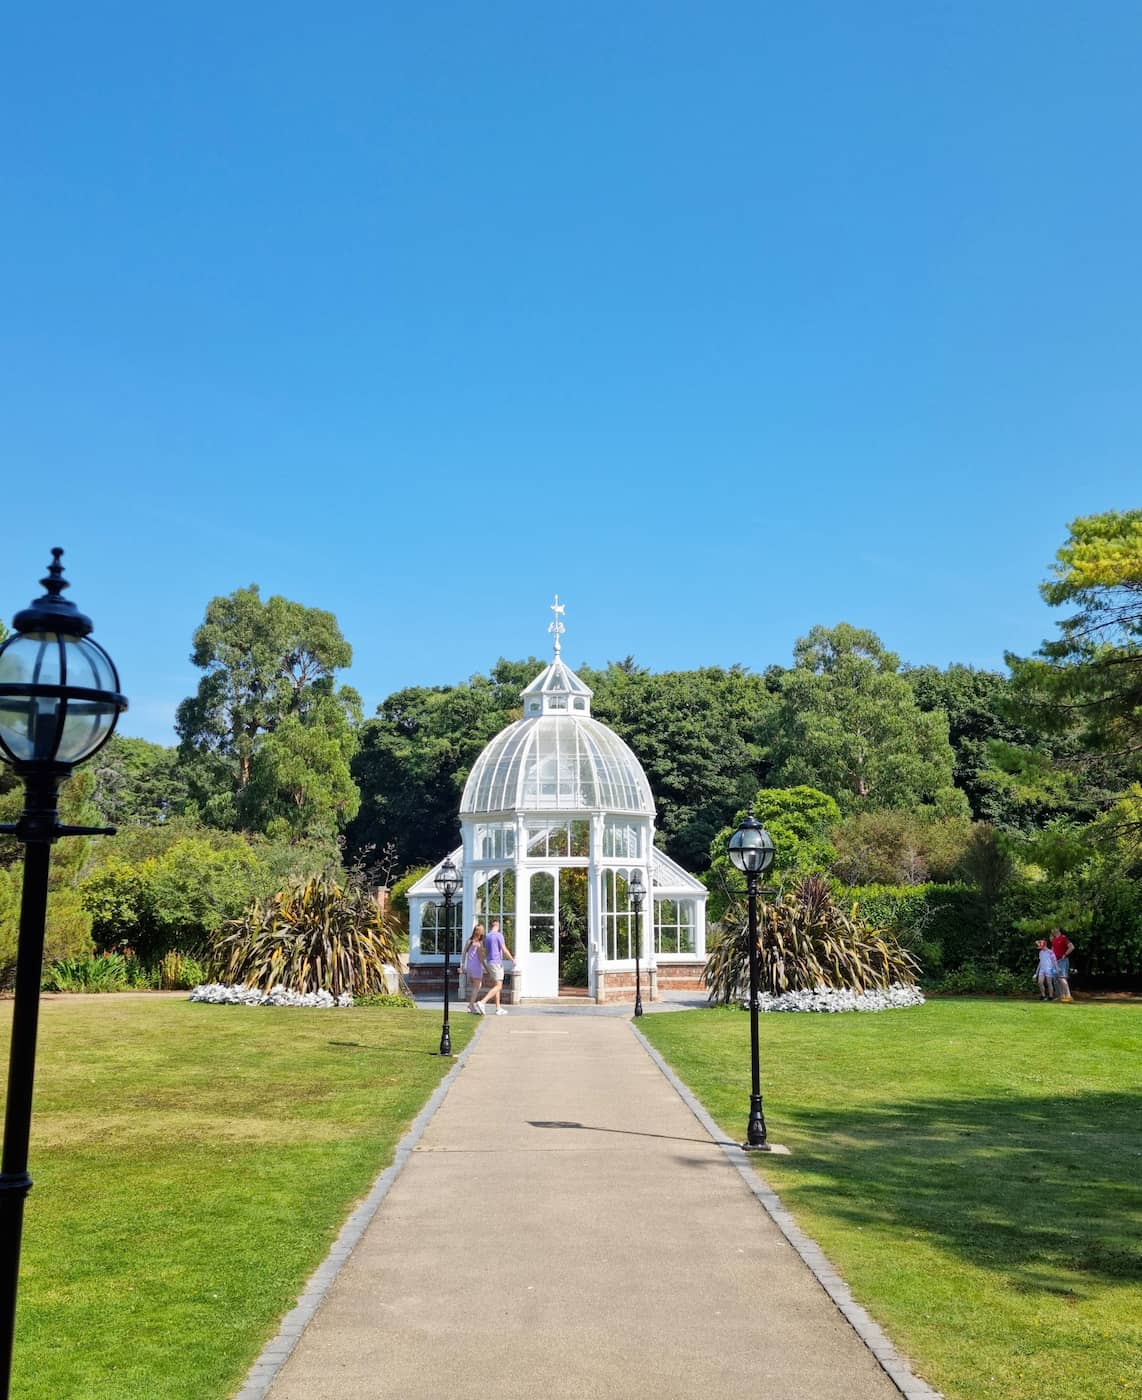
pixel 941 925
pixel 176 972
pixel 898 848
pixel 181 896
pixel 314 935
pixel 106 973
pixel 800 820
pixel 575 967
pixel 982 981
pixel 385 999
pixel 398 895
pixel 1114 947
pixel 806 939
pixel 67 929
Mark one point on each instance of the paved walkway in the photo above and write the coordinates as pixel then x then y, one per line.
pixel 565 1229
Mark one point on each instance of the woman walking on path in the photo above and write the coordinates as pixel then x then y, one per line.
pixel 473 962
pixel 494 950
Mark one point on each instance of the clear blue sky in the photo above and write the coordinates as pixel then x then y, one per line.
pixel 719 319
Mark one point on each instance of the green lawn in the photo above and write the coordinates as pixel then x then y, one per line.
pixel 192 1165
pixel 973 1168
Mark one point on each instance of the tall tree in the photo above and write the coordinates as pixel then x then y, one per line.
pixel 137 781
pixel 415 757
pixel 1087 682
pixel 848 723
pixel 699 737
pixel 301 783
pixel 263 661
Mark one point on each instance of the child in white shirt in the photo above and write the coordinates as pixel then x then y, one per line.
pixel 1048 971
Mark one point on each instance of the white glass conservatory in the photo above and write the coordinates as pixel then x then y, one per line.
pixel 555 816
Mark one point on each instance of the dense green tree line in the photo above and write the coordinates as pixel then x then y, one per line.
pixel 926 773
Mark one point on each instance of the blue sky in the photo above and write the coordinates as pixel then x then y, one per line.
pixel 721 320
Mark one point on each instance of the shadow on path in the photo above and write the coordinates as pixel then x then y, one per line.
pixel 626 1132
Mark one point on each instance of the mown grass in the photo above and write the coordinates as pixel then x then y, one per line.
pixel 192 1165
pixel 973 1168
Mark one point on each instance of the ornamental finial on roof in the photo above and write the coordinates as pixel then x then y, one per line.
pixel 555 626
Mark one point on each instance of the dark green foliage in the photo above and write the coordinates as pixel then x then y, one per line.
pixel 801 821
pixel 1089 679
pixel 573 969
pixel 699 736
pixel 266 663
pixel 415 757
pixel 1112 949
pixel 322 934
pixel 67 932
pixel 941 925
pixel 848 723
pixel 979 979
pixel 300 779
pixel 137 782
pixel 808 937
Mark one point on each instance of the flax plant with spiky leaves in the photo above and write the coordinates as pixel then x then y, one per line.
pixel 806 940
pixel 314 935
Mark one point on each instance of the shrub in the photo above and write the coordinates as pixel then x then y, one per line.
pixel 575 967
pixel 898 848
pixel 398 894
pixel 67 929
pixel 806 939
pixel 941 925
pixel 397 999
pixel 315 935
pixel 800 820
pixel 183 895
pixel 106 973
pixel 982 981
pixel 176 972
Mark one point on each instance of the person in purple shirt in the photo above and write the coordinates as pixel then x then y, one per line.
pixel 494 950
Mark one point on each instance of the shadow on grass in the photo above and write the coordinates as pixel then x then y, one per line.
pixel 1047 1192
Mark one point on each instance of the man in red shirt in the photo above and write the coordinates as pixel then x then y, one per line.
pixel 1062 947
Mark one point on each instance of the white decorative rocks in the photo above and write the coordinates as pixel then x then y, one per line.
pixel 218 994
pixel 841 999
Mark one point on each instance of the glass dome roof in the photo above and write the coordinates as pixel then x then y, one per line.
pixel 557 758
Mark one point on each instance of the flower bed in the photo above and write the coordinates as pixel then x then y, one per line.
pixel 841 999
pixel 218 994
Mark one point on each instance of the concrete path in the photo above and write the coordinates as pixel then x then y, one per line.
pixel 567 1229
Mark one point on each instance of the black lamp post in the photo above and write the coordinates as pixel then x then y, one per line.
pixel 751 850
pixel 448 880
pixel 637 895
pixel 59 703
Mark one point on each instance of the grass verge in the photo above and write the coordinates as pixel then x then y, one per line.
pixel 192 1165
pixel 973 1168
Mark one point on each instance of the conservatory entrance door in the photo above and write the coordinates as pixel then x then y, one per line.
pixel 543 938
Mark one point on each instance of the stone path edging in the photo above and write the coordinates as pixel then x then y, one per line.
pixel 870 1333
pixel 276 1352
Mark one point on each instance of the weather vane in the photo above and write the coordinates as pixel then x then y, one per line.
pixel 555 626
